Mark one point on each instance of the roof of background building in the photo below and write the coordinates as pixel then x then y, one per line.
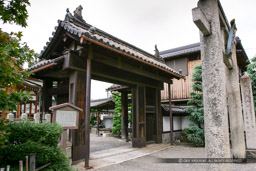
pixel 181 50
pixel 195 47
pixel 176 109
pixel 106 103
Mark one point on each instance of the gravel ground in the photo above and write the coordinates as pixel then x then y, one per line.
pixel 149 162
pixel 103 143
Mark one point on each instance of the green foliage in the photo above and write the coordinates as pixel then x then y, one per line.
pixel 195 132
pixel 9 101
pixel 93 121
pixel 26 137
pixel 13 53
pixel 14 11
pixel 3 133
pixel 117 113
pixel 251 70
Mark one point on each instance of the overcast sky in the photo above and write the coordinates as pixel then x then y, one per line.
pixel 143 23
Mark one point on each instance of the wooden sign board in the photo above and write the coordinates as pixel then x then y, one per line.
pixel 67 115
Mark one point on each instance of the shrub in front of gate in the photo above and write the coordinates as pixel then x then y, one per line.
pixel 27 137
pixel 117 113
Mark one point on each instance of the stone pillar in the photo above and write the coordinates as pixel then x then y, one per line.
pixel 48 118
pixel 37 117
pixel 235 108
pixel 249 113
pixel 10 116
pixel 207 18
pixel 24 116
pixel 214 85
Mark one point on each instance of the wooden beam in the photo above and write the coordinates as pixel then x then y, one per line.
pixel 123 76
pixel 109 80
pixel 119 63
pixel 59 90
pixel 201 21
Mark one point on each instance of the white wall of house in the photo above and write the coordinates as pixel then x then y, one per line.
pixel 176 123
pixel 107 122
pixel 184 122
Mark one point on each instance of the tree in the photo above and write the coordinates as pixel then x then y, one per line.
pixel 195 131
pixel 14 11
pixel 117 113
pixel 13 54
pixel 251 70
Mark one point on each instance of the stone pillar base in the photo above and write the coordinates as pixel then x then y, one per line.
pixel 251 154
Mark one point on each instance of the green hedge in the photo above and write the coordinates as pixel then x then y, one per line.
pixel 27 137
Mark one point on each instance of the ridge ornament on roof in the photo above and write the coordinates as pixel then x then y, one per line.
pixel 77 14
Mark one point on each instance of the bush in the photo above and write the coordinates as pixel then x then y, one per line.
pixel 195 131
pixel 195 134
pixel 93 121
pixel 26 137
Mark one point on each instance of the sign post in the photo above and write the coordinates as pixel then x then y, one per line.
pixel 67 115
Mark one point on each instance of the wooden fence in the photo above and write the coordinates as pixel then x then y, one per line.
pixel 30 164
pixel 181 89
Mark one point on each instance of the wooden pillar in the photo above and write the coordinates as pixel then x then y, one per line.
pixel 47 101
pixel 77 86
pixel 24 108
pixel 170 110
pixel 134 117
pixel 98 123
pixel 18 111
pixel 36 103
pixel 159 117
pixel 64 140
pixel 139 116
pixel 124 115
pixel 87 108
pixel 30 109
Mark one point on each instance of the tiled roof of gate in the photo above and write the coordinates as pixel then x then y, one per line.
pixel 80 28
pixel 44 63
pixel 181 50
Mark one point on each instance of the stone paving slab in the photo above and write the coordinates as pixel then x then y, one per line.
pixel 150 162
pixel 120 154
pixel 111 152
